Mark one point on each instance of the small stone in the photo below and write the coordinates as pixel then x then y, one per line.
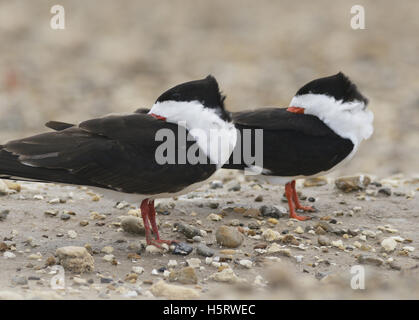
pixel 384 192
pixel 235 188
pixel 214 217
pixel 172 263
pixel 194 262
pixel 185 275
pixel 109 257
pixel 371 260
pixel 50 261
pixel 204 251
pixel 107 250
pixel 389 244
pixel 181 248
pixel 272 211
pixel 9 255
pixel 259 198
pixel 84 223
pixel 352 183
pixel 75 259
pixel 213 205
pixel 315 182
pixel 226 275
pixel 338 244
pixel 65 216
pixel 131 278
pixel 72 234
pixel 137 269
pixel 133 225
pixel 323 241
pixel 216 184
pixel 271 235
pixel 35 256
pixel 79 281
pixel 51 213
pixel 3 247
pixel 408 248
pixel 54 201
pixel 251 213
pixel 299 230
pixel 154 250
pixel 173 292
pixel 228 237
pixel 187 230
pixel 19 281
pixel 246 263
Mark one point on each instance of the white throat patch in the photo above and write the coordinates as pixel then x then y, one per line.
pixel 216 137
pixel 347 119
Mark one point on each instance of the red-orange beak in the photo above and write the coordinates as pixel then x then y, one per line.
pixel 157 116
pixel 296 110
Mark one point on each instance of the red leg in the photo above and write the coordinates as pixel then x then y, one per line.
pixel 150 212
pixel 144 214
pixel 297 201
pixel 289 194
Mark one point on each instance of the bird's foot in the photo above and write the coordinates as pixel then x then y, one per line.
pixel 300 218
pixel 306 208
pixel 158 242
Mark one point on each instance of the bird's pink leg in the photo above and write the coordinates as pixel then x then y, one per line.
pixel 297 201
pixel 150 212
pixel 289 194
pixel 144 214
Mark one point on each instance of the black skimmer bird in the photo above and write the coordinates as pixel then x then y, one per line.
pixel 117 155
pixel 322 128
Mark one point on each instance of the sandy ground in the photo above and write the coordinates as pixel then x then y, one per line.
pixel 323 272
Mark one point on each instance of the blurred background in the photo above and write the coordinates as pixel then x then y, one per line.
pixel 116 56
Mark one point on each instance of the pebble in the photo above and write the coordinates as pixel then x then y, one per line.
pixel 214 217
pixel 352 183
pixel 338 244
pixel 79 281
pixel 225 275
pixel 194 262
pixel 9 255
pixel 299 230
pixel 75 259
pixel 65 216
pixel 137 269
pixel 408 248
pixel 173 292
pixel 271 235
pixel 19 280
pixel 155 250
pixel 370 260
pixel 133 225
pixel 204 251
pixel 84 223
pixel 216 184
pixel 51 213
pixel 389 244
pixel 384 192
pixel 246 263
pixel 187 230
pixel 228 237
pixel 315 182
pixel 181 248
pixel 35 256
pixel 72 234
pixel 185 275
pixel 251 213
pixel 272 211
pixel 107 249
pixel 236 187
pixel 323 241
pixel 259 198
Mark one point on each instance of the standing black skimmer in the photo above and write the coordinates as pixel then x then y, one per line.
pixel 323 127
pixel 116 154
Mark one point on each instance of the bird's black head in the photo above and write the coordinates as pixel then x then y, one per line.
pixel 337 86
pixel 206 91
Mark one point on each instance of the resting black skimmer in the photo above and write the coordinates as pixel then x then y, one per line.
pixel 116 154
pixel 323 127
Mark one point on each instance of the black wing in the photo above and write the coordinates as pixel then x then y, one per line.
pixel 293 144
pixel 115 152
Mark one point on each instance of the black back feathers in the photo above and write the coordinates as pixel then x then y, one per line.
pixel 337 86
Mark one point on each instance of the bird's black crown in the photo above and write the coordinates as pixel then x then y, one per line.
pixel 206 91
pixel 337 86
